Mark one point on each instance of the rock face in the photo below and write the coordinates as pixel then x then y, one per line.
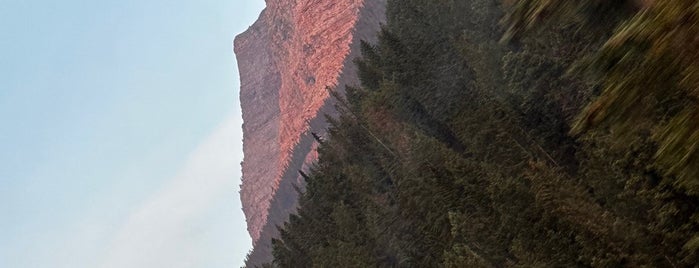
pixel 288 59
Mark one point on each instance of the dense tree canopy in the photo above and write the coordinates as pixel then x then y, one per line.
pixel 573 144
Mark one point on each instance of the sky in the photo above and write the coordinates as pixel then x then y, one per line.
pixel 120 133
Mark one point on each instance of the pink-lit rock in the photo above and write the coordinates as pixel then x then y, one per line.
pixel 287 59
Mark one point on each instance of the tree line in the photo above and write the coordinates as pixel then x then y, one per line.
pixel 527 133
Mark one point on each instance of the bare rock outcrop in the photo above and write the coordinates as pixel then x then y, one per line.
pixel 288 59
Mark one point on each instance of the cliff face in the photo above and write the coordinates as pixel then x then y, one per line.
pixel 287 60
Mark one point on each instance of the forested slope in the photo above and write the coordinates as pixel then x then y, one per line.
pixel 568 139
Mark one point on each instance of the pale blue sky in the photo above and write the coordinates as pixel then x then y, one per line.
pixel 120 133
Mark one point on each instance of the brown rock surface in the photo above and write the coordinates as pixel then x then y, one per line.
pixel 287 59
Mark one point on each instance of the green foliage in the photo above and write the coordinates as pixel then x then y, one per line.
pixel 455 151
pixel 649 70
pixel 526 15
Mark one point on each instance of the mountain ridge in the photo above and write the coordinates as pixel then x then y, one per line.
pixel 289 61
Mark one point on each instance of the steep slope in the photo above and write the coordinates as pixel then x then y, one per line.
pixel 456 149
pixel 287 60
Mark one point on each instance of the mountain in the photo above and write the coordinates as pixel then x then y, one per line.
pixel 499 133
pixel 289 60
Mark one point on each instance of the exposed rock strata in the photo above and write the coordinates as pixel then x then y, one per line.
pixel 287 60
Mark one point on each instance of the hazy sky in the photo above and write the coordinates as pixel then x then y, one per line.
pixel 120 136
